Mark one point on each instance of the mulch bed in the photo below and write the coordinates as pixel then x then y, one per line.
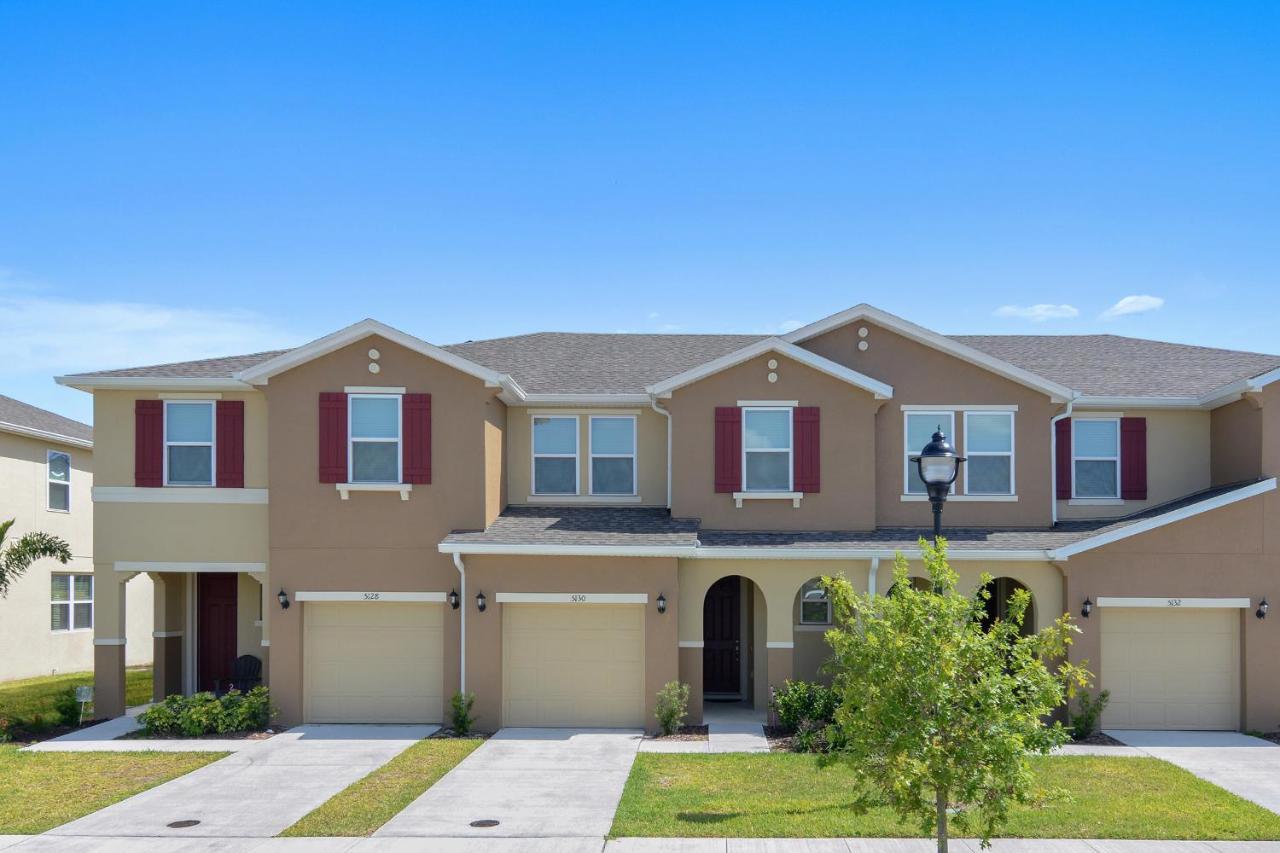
pixel 781 738
pixel 19 733
pixel 141 734
pixel 450 734
pixel 1099 739
pixel 686 733
pixel 1274 737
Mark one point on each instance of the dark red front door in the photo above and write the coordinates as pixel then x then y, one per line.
pixel 215 626
pixel 721 640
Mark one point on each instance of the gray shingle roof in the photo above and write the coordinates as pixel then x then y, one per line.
pixel 24 415
pixel 521 525
pixel 223 367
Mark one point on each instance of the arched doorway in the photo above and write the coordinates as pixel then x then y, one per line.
pixel 1001 590
pixel 918 583
pixel 733 643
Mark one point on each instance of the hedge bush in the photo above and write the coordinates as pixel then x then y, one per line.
pixel 205 713
pixel 800 702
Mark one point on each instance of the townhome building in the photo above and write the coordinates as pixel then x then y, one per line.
pixel 562 523
pixel 47 617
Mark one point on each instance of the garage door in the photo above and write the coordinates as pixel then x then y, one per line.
pixel 1171 669
pixel 572 665
pixel 374 662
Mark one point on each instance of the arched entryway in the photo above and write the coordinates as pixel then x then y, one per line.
pixel 734 664
pixel 1001 590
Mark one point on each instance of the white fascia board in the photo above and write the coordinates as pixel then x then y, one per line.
pixel 151 383
pixel 1097 402
pixel 1057 392
pixel 45 435
pixel 1232 390
pixel 743 553
pixel 879 389
pixel 1240 494
pixel 482 548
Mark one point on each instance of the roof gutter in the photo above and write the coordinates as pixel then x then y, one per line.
pixel 694 552
pixel 653 403
pixel 462 636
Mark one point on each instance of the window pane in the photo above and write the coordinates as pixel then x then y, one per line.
pixel 60 617
pixel 375 461
pixel 612 476
pixel 191 466
pixel 813 611
pixel 60 467
pixel 768 472
pixel 1096 480
pixel 83 587
pixel 1097 438
pixel 993 433
pixel 988 475
pixel 189 422
pixel 84 615
pixel 770 430
pixel 59 496
pixel 920 429
pixel 555 435
pixel 554 476
pixel 60 587
pixel 612 435
pixel 375 417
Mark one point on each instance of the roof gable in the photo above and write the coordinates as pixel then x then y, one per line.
pixel 22 418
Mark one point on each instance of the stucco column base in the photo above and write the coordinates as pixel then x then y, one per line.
pixel 108 681
pixel 691 674
pixel 781 667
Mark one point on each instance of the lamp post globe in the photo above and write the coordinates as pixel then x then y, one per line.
pixel 938 464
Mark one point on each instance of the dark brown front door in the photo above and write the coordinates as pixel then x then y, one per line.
pixel 215 626
pixel 721 638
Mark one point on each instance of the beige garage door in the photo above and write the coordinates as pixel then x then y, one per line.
pixel 373 662
pixel 573 665
pixel 1170 668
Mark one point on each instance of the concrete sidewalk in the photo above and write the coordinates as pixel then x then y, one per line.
pixel 1248 767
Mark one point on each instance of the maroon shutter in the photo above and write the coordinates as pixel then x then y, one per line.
pixel 333 437
pixel 416 412
pixel 148 443
pixel 230 436
pixel 807 465
pixel 1133 459
pixel 1062 431
pixel 728 450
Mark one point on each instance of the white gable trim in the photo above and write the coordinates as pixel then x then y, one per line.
pixel 151 383
pixel 44 435
pixel 1058 393
pixel 782 347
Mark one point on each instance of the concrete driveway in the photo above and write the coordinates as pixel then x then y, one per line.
pixel 536 783
pixel 256 792
pixel 1246 766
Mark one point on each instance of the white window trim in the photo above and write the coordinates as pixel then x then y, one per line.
pixel 789 492
pixel 72 601
pixel 1011 453
pixel 908 452
pixel 352 484
pixel 808 623
pixel 633 455
pixel 1074 459
pixel 534 455
pixel 49 481
pixel 212 444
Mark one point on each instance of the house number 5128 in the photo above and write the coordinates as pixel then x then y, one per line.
pixel 372 596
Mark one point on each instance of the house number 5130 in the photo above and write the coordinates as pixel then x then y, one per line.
pixel 577 597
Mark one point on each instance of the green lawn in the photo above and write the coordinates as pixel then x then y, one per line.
pixel 42 790
pixel 782 794
pixel 20 699
pixel 370 802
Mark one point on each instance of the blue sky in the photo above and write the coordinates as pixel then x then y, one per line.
pixel 185 180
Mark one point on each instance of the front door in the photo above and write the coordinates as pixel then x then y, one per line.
pixel 721 637
pixel 215 627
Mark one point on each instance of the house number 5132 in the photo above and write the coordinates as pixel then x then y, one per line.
pixel 1175 602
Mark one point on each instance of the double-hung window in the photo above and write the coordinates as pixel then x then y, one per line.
pixel 555 455
pixel 766 449
pixel 374 436
pixel 918 431
pixel 815 607
pixel 58 465
pixel 189 436
pixel 71 602
pixel 613 455
pixel 1095 444
pixel 988 444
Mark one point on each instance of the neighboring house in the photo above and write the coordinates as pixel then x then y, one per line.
pixel 47 619
pixel 561 523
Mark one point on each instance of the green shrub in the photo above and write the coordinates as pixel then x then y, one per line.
pixel 672 706
pixel 800 702
pixel 460 711
pixel 5 726
pixel 66 707
pixel 1086 721
pixel 204 713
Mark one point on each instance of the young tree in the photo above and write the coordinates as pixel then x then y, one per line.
pixel 17 556
pixel 938 715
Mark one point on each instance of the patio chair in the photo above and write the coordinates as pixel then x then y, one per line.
pixel 246 674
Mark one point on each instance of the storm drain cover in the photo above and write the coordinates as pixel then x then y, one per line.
pixel 183 824
pixel 487 822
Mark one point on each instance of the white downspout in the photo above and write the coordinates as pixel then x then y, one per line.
pixel 1053 461
pixel 653 403
pixel 871 578
pixel 462 640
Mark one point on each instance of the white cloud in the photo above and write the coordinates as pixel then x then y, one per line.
pixel 51 336
pixel 1132 305
pixel 1038 313
pixel 653 315
pixel 790 326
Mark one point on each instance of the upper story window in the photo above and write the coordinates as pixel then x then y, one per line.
pixel 815 607
pixel 58 466
pixel 613 455
pixel 188 443
pixel 373 453
pixel 71 602
pixel 766 449
pixel 988 444
pixel 1095 464
pixel 918 430
pixel 555 455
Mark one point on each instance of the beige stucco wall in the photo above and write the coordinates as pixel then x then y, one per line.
pixel 1178 461
pixel 651 454
pixel 1235 435
pixel 181 533
pixel 249 607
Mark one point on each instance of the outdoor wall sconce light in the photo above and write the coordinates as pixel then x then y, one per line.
pixel 481 602
pixel 662 603
pixel 1086 608
pixel 283 598
pixel 453 599
pixel 1262 609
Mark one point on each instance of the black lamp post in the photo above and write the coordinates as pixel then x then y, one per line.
pixel 938 464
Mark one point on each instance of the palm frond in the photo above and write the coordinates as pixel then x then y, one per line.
pixel 17 556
